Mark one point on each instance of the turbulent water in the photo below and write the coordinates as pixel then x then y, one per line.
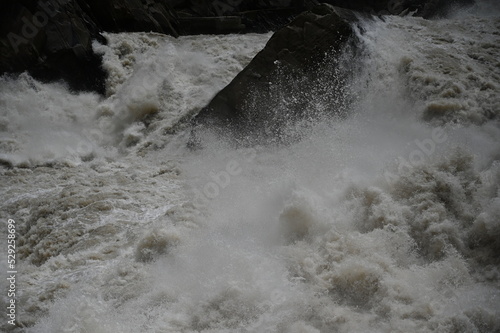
pixel 387 220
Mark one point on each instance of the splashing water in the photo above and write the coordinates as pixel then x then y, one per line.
pixel 387 220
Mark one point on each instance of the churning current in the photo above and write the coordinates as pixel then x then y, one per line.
pixel 387 220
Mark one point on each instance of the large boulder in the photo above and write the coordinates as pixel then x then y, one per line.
pixel 300 67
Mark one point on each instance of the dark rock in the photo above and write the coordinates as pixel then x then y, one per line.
pixel 432 9
pixel 423 8
pixel 370 6
pixel 265 20
pixel 217 8
pixel 237 16
pixel 301 65
pixel 211 25
pixel 270 94
pixel 52 39
pixel 133 15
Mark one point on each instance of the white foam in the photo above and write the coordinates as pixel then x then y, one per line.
pixel 379 222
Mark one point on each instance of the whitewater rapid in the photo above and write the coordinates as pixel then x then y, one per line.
pixel 385 221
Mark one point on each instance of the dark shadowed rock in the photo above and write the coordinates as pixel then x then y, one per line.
pixel 432 9
pixel 237 16
pixel 133 15
pixel 269 94
pixel 423 8
pixel 52 39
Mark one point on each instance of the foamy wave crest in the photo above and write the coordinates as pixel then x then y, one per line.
pixel 45 123
pixel 155 84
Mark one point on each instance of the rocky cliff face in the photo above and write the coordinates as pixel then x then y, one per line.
pixel 53 38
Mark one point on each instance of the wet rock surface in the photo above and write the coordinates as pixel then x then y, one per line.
pixel 289 63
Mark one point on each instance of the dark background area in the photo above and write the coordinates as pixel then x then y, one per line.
pixel 52 39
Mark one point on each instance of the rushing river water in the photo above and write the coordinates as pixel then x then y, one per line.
pixel 387 220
